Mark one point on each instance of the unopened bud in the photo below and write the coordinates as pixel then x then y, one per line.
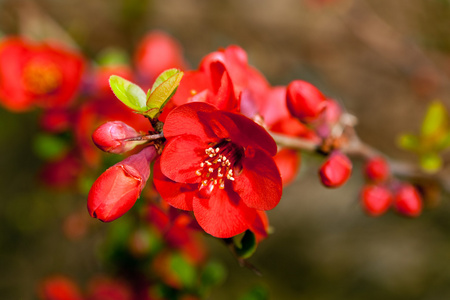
pixel 408 201
pixel 335 170
pixel 377 169
pixel 114 137
pixel 118 188
pixel 304 101
pixel 375 199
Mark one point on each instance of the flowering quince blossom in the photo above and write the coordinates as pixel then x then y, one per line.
pixel 219 165
pixel 45 74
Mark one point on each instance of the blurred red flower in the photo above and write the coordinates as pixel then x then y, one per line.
pixel 45 74
pixel 59 287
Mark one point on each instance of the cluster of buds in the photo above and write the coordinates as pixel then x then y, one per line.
pixel 321 115
pixel 382 192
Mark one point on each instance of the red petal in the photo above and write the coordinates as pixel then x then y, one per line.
pixel 260 226
pixel 248 133
pixel 181 158
pixel 192 83
pixel 223 215
pixel 259 184
pixel 178 195
pixel 225 98
pixel 185 120
pixel 13 54
pixel 239 129
pixel 288 163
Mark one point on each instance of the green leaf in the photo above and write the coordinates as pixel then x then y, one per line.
pixel 409 142
pixel 129 93
pixel 162 93
pixel 49 147
pixel 431 162
pixel 245 244
pixel 163 77
pixel 436 120
pixel 183 270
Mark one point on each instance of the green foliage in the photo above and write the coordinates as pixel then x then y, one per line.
pixel 162 90
pixel 129 93
pixel 245 244
pixel 49 147
pixel 434 137
pixel 151 104
pixel 431 162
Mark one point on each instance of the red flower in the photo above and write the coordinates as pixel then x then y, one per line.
pixel 59 287
pixel 156 53
pixel 37 74
pixel 118 188
pixel 219 165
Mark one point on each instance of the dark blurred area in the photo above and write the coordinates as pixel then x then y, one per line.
pixel 383 60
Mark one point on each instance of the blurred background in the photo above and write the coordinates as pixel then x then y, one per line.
pixel 383 60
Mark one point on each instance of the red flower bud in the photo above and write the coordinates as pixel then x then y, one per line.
pixel 377 169
pixel 375 199
pixel 110 137
pixel 304 101
pixel 118 188
pixel 408 201
pixel 335 170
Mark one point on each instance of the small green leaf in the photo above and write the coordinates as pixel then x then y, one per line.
pixel 409 142
pixel 436 119
pixel 431 162
pixel 162 93
pixel 129 93
pixel 245 245
pixel 49 147
pixel 163 77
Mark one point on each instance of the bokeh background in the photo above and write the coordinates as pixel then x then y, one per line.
pixel 383 60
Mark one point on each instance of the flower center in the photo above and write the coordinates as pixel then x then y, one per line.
pixel 41 78
pixel 220 164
